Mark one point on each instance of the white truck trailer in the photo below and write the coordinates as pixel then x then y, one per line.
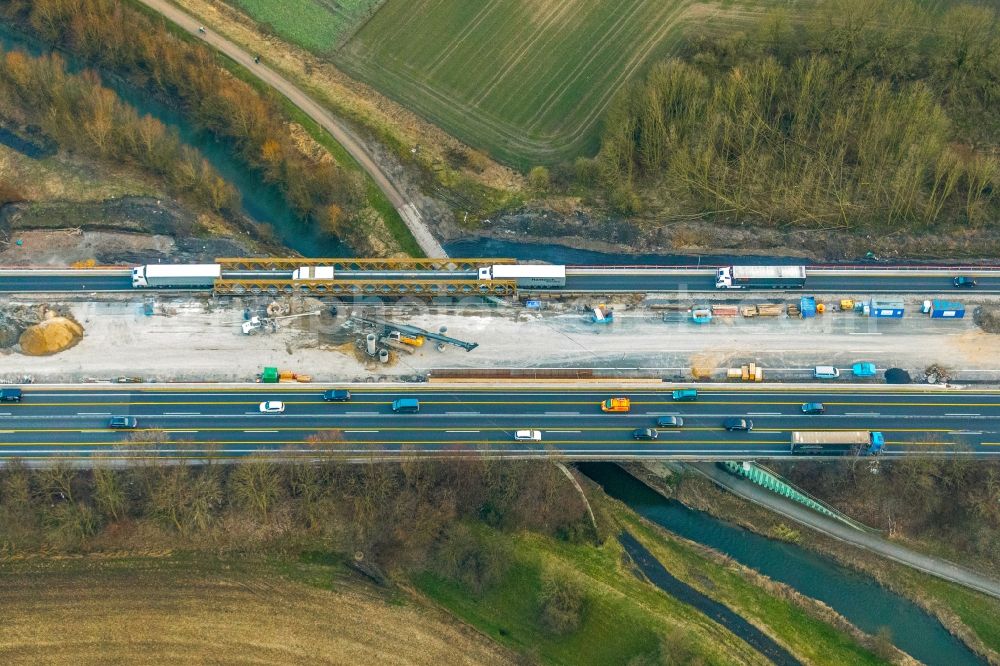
pixel 175 275
pixel 760 277
pixel 313 273
pixel 526 275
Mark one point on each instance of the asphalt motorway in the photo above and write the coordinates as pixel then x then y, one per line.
pixel 608 281
pixel 73 423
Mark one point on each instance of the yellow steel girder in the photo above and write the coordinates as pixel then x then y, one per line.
pixel 418 288
pixel 341 264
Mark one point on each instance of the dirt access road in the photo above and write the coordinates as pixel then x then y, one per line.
pixel 337 128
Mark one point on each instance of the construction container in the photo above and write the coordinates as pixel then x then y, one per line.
pixel 846 304
pixel 886 309
pixel 947 310
pixel 269 376
pixel 807 307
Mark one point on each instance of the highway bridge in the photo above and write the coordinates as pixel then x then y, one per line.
pixel 579 279
pixel 72 423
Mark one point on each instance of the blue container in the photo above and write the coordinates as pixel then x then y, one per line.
pixel 807 307
pixel 947 310
pixel 886 309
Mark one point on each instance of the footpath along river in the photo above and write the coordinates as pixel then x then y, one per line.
pixel 858 598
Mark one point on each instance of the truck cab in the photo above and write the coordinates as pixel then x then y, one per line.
pixel 724 278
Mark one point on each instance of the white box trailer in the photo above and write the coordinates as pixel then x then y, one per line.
pixel 175 275
pixel 526 275
pixel 760 277
pixel 313 273
pixel 837 442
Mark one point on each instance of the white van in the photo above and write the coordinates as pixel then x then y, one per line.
pixel 825 372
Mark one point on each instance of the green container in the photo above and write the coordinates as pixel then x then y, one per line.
pixel 269 376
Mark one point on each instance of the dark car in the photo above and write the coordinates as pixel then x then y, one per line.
pixel 10 395
pixel 744 425
pixel 964 281
pixel 645 433
pixel 669 422
pixel 813 408
pixel 337 395
pixel 127 422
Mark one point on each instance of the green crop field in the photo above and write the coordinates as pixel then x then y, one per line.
pixel 527 81
pixel 317 25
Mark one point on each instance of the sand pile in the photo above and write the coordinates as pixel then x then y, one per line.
pixel 52 336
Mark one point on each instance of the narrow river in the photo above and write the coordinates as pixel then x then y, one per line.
pixel 261 202
pixel 858 598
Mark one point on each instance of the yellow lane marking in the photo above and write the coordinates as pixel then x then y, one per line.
pixel 622 428
pixel 542 388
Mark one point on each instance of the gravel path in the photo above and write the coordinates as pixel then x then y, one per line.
pixel 930 565
pixel 337 128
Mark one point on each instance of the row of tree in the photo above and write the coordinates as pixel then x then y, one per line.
pixel 118 38
pixel 954 501
pixel 84 116
pixel 877 114
pixel 391 513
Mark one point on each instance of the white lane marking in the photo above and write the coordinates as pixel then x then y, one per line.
pixel 961 414
pixel 260 431
pixel 4 413
pixel 965 432
pixel 861 414
pixel 361 413
pixel 763 413
pixel 563 413
pixel 180 414
pixel 93 413
pixel 461 412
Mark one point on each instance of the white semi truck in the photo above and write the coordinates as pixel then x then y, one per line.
pixel 760 277
pixel 175 275
pixel 526 275
pixel 837 442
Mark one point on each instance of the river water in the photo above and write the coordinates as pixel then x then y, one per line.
pixel 858 598
pixel 260 201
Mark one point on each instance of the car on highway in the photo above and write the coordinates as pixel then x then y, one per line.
pixel 528 435
pixel 864 369
pixel 669 422
pixel 406 405
pixel 272 407
pixel 738 425
pixel 964 281
pixel 616 405
pixel 124 422
pixel 813 408
pixel 684 395
pixel 645 433
pixel 10 395
pixel 337 395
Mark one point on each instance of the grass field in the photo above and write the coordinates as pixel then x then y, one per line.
pixel 318 25
pixel 527 82
pixel 153 610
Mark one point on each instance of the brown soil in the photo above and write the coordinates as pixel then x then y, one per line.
pixel 50 337
pixel 148 614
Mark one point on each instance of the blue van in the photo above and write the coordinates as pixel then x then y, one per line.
pixel 406 405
